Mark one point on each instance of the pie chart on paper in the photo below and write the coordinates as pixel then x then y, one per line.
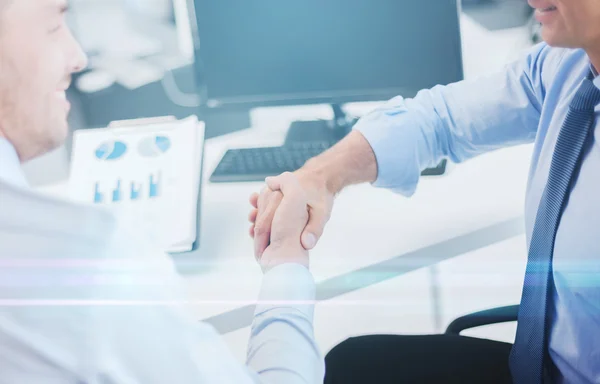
pixel 154 146
pixel 111 150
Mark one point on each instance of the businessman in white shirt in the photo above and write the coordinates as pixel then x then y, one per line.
pixel 82 298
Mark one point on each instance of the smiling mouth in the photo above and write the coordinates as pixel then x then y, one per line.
pixel 548 9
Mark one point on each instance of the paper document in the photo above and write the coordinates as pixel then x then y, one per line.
pixel 149 174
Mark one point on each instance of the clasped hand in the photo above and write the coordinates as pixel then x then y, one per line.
pixel 288 218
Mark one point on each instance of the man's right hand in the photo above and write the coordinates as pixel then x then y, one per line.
pixel 320 204
pixel 351 161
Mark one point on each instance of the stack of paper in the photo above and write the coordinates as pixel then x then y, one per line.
pixel 148 171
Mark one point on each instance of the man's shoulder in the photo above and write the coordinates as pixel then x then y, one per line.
pixel 55 259
pixel 553 68
pixel 39 219
pixel 79 251
pixel 555 59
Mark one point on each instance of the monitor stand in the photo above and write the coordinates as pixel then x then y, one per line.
pixel 321 130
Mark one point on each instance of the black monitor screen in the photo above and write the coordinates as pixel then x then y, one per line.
pixel 290 51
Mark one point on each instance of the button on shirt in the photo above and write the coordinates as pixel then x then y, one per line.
pixel 83 299
pixel 526 102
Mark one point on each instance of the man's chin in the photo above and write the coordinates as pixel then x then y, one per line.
pixel 57 138
pixel 554 39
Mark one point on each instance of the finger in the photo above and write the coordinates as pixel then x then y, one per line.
pixel 260 199
pixel 252 231
pixel 287 183
pixel 317 220
pixel 262 230
pixel 261 202
pixel 295 200
pixel 252 216
pixel 263 196
pixel 273 183
pixel 254 199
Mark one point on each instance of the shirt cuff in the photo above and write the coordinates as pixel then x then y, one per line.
pixel 394 138
pixel 288 286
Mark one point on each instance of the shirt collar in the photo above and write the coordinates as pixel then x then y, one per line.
pixel 10 166
pixel 596 77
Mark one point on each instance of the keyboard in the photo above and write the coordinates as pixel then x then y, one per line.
pixel 255 164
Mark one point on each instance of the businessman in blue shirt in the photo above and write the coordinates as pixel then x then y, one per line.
pixel 552 98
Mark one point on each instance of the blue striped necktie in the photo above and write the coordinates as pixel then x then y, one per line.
pixel 529 359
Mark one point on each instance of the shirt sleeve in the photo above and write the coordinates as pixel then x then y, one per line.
pixel 457 121
pixel 151 338
pixel 282 346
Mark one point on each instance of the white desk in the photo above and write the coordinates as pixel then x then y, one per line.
pixel 474 205
pixel 367 226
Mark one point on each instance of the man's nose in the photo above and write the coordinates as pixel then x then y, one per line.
pixel 80 61
pixel 78 58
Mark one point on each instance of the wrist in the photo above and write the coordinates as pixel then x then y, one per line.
pixel 327 175
pixel 279 254
pixel 351 161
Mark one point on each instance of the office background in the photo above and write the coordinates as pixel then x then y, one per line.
pixel 455 248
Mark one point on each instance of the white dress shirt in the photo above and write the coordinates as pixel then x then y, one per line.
pixel 84 299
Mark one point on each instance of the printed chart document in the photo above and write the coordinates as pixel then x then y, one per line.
pixel 148 172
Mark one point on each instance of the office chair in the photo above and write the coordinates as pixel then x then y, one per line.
pixel 487 317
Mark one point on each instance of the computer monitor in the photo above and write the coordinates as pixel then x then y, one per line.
pixel 284 52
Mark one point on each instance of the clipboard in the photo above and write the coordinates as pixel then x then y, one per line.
pixel 130 129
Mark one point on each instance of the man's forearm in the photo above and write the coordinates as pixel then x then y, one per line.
pixel 282 346
pixel 351 161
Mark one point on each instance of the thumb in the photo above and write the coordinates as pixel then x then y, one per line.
pixel 314 229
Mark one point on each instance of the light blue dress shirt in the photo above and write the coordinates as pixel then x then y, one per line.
pixel 83 299
pixel 526 102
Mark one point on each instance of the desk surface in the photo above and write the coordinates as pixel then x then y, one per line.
pixel 474 205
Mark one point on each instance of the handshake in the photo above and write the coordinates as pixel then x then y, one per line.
pixel 288 218
pixel 289 215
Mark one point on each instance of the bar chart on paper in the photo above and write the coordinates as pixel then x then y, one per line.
pixel 135 191
pixel 154 186
pixel 138 191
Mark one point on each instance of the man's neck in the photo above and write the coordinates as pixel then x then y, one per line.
pixel 594 56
